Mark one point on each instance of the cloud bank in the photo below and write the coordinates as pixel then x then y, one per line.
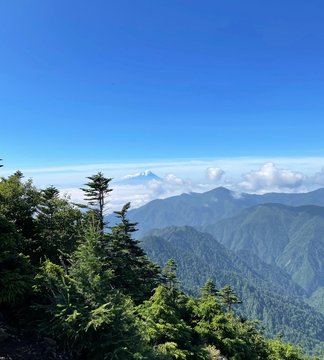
pixel 271 178
pixel 245 174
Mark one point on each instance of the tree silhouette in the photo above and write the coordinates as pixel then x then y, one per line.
pixel 96 194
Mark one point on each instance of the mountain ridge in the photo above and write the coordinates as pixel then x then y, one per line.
pixel 196 209
pixel 199 256
pixel 280 235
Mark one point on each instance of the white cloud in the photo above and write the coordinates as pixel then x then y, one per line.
pixel 172 179
pixel 318 178
pixel 170 185
pixel 271 178
pixel 214 173
pixel 194 169
pixel 136 194
pixel 140 194
pixel 236 195
pixel 183 176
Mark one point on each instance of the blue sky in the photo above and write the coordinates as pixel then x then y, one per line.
pixel 148 81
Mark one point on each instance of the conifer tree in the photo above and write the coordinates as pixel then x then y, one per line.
pixel 133 272
pixel 96 194
pixel 85 314
pixel 18 201
pixel 228 297
pixel 125 225
pixel 207 311
pixel 169 276
pixel 58 224
pixel 163 327
pixel 16 273
pixel 90 269
pixel 209 289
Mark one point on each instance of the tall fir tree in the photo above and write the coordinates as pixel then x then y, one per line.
pixel 169 277
pixel 228 297
pixel 133 272
pixel 96 194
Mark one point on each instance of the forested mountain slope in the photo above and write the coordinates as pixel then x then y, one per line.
pixel 280 307
pixel 94 294
pixel 284 230
pixel 290 237
pixel 198 209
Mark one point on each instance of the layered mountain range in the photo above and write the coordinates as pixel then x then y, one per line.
pixel 269 247
pixel 197 209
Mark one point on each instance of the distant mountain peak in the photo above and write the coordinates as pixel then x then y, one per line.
pixel 220 192
pixel 139 178
pixel 143 173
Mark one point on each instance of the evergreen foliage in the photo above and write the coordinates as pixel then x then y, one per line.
pixel 133 273
pixel 164 328
pixel 58 225
pixel 18 201
pixel 208 289
pixel 169 275
pixel 84 312
pixel 228 297
pixel 16 273
pixel 199 256
pixel 96 194
pixel 97 294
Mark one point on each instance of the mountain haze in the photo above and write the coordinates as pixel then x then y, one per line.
pixel 192 209
pixel 198 209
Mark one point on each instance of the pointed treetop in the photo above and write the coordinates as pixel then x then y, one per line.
pixel 50 192
pixel 127 226
pixel 98 187
pixel 209 289
pixel 228 297
pixel 95 194
pixel 169 274
pixel 123 212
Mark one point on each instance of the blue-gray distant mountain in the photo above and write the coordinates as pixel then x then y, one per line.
pixel 139 178
pixel 197 209
pixel 317 300
pixel 192 209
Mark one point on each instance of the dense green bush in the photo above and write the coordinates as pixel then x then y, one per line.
pixel 16 273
